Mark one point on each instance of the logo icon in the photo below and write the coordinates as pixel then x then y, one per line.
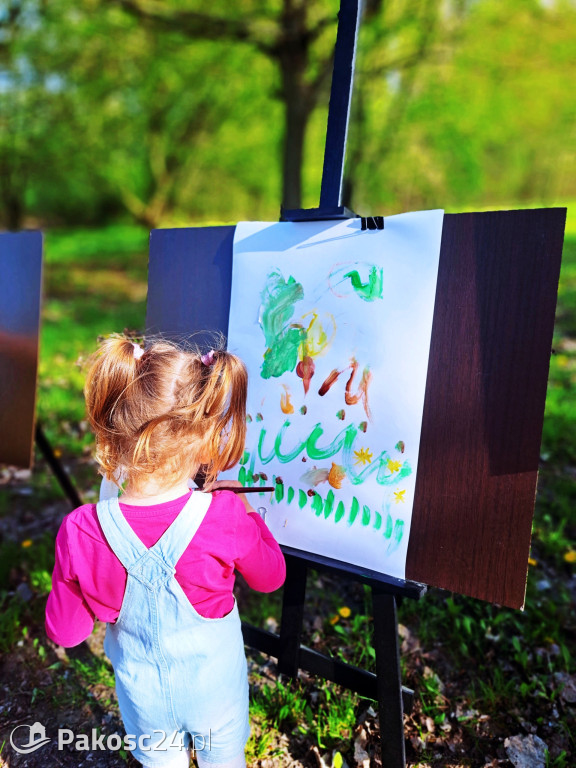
pixel 37 738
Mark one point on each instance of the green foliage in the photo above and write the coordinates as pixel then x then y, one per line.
pixel 559 436
pixel 110 110
pixel 28 564
pixel 11 611
pixel 94 671
pixel 282 705
pixel 463 126
pixel 95 284
pixel 327 714
pixel 336 717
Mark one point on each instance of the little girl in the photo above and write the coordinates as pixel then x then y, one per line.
pixel 158 566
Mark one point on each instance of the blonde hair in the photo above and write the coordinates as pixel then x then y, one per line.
pixel 164 411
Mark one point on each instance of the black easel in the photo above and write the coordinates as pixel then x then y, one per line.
pixel 385 686
pixel 56 466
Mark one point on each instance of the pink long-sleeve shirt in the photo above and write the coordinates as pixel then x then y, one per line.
pixel 88 582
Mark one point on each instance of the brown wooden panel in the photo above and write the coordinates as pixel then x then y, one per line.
pixel 20 288
pixel 484 405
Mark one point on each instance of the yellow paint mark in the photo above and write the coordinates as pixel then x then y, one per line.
pixel 317 339
pixel 336 475
pixel 399 496
pixel 393 466
pixel 285 402
pixel 363 456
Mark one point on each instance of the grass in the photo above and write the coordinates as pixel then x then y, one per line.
pixel 479 670
pixel 95 284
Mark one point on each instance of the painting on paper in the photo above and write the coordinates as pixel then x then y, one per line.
pixel 334 324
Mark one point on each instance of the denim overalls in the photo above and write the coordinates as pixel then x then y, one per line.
pixel 181 679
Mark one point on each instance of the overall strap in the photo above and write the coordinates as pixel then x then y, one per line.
pixel 110 488
pixel 122 540
pixel 178 536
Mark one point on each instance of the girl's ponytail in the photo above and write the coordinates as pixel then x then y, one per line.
pixel 225 413
pixel 113 370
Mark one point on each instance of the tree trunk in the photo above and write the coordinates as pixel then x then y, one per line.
pixel 13 210
pixel 292 55
pixel 296 122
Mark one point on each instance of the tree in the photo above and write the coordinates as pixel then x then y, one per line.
pixel 490 116
pixel 299 39
pixel 141 114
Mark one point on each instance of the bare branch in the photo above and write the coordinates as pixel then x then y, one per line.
pixel 202 25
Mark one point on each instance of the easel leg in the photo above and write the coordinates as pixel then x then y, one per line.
pixel 292 616
pixel 56 467
pixel 390 709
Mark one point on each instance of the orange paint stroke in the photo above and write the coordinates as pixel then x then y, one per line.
pixel 336 475
pixel 285 402
pixel 362 391
pixel 331 379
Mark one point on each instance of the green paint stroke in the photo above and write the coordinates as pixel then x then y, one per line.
pixel 242 475
pixel 317 504
pixel 302 498
pixel 283 356
pixel 245 457
pixel 264 459
pixel 396 537
pixel 345 440
pixel 290 495
pixel 282 338
pixel 286 457
pixel 372 289
pixel 339 512
pixel 279 491
pixel 354 509
pixel 365 515
pixel 388 529
pixel 328 504
pixel 377 521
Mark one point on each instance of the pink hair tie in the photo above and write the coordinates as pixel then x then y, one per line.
pixel 208 358
pixel 138 351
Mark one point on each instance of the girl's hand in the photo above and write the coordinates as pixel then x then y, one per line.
pixel 233 484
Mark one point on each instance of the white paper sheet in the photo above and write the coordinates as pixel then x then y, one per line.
pixel 334 325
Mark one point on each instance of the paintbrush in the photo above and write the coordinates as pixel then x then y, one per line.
pixel 200 478
pixel 236 489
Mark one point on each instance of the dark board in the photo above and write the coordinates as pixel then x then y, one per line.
pixel 485 391
pixel 484 404
pixel 20 292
